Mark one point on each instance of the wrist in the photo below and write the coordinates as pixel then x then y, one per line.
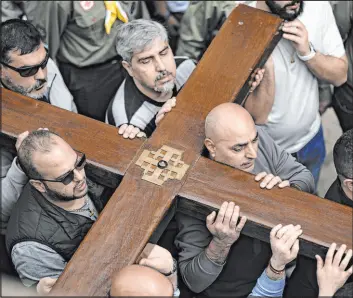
pixel 326 292
pixel 307 55
pixel 219 243
pixel 173 268
pixel 276 264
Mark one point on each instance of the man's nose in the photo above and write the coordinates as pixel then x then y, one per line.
pixel 40 75
pixel 251 151
pixel 159 64
pixel 79 175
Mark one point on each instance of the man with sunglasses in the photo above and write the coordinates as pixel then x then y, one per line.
pixel 55 210
pixel 26 67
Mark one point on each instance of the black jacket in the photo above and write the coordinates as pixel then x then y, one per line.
pixel 34 218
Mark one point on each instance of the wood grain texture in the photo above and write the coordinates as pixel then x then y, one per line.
pixel 137 206
pixel 100 142
pixel 322 221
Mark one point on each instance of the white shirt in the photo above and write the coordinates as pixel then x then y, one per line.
pixel 294 119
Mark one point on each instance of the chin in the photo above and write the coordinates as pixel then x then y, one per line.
pixel 38 94
pixel 81 193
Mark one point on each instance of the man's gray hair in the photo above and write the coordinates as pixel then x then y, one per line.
pixel 133 37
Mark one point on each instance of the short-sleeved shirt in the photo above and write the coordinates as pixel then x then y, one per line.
pixel 294 119
pixel 131 106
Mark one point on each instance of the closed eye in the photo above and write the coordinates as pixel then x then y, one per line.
pixel 164 52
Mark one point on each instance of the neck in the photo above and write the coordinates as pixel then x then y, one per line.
pixel 262 5
pixel 152 94
pixel 68 206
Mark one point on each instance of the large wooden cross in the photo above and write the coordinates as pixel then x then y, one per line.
pixel 137 206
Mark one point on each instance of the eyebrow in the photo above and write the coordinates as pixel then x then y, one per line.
pixel 65 174
pixel 149 57
pixel 244 144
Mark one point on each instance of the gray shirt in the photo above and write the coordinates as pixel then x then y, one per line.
pixel 33 260
pixel 272 159
pixel 197 270
pixel 12 182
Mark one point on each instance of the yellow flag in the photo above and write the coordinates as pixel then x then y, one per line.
pixel 113 11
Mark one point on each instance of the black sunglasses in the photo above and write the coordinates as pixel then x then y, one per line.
pixel 28 71
pixel 67 179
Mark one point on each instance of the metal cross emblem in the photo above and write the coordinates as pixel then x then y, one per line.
pixel 162 165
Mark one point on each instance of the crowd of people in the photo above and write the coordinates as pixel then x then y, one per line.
pixel 114 61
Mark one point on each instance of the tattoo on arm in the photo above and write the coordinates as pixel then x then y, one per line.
pixel 217 253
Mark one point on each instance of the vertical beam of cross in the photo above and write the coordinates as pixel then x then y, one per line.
pixel 137 206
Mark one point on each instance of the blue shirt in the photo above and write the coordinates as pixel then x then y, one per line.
pixel 266 287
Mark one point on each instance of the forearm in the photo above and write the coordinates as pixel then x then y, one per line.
pixel 199 272
pixel 259 103
pixel 329 68
pixel 269 285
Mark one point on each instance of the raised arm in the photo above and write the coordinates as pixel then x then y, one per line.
pixel 285 247
pixel 260 101
pixel 331 63
pixel 204 250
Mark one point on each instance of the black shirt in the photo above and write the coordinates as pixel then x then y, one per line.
pixel 336 194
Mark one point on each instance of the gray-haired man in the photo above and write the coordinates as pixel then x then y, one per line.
pixel 155 76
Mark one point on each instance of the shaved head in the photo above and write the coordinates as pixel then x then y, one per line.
pixel 231 136
pixel 137 280
pixel 227 119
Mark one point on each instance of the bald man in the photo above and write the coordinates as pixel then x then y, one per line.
pixel 137 280
pixel 215 259
pixel 233 138
pixel 156 275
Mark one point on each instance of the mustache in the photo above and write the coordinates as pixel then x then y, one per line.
pixel 39 83
pixel 162 75
pixel 291 4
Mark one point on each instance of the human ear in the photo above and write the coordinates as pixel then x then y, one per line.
pixel 210 147
pixel 128 68
pixel 349 184
pixel 38 185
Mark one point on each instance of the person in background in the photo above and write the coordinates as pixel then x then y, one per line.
pixel 81 38
pixel 17 9
pixel 342 101
pixel 26 67
pixel 341 190
pixel 170 14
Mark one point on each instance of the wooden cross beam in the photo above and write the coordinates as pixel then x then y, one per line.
pixel 137 207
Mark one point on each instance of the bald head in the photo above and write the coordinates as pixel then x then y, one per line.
pixel 227 119
pixel 231 136
pixel 136 280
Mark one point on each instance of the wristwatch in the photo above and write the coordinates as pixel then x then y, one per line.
pixel 175 266
pixel 310 55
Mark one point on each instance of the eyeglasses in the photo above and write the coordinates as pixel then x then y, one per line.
pixel 28 71
pixel 67 179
